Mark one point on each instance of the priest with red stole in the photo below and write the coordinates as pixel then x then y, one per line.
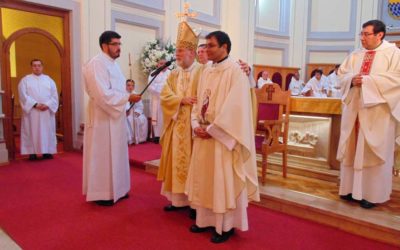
pixel 370 86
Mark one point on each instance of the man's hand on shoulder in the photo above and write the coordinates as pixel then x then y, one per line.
pixel 245 67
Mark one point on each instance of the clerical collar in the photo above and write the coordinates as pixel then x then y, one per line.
pixel 223 59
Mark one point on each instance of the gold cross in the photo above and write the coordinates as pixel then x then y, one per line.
pixel 186 13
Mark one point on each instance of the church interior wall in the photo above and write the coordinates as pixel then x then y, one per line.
pixel 275 32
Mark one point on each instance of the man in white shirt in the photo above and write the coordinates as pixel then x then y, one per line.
pixel 334 86
pixel 316 86
pixel 106 175
pixel 264 79
pixel 39 102
pixel 202 57
pixel 296 84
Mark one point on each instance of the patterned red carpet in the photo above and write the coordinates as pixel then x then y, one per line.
pixel 42 208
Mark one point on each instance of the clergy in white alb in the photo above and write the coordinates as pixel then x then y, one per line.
pixel 135 119
pixel 155 90
pixel 370 80
pixel 333 83
pixel 106 176
pixel 264 79
pixel 222 176
pixel 296 84
pixel 38 98
pixel 316 86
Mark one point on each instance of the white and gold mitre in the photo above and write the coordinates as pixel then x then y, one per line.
pixel 187 38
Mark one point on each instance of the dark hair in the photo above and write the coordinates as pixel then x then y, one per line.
pixel 222 38
pixel 337 66
pixel 378 25
pixel 107 36
pixel 36 60
pixel 129 80
pixel 318 71
pixel 203 45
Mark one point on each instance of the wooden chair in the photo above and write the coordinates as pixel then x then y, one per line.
pixel 272 124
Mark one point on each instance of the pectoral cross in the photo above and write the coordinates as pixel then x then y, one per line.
pixel 186 13
pixel 270 90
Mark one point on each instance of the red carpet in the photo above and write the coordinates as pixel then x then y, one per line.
pixel 138 154
pixel 42 208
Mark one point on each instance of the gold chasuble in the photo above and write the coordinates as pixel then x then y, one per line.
pixel 176 139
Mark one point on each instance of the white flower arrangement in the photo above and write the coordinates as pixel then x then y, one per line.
pixel 153 52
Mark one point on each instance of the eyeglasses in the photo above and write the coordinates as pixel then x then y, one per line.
pixel 115 44
pixel 366 34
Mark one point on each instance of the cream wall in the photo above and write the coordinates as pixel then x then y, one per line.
pixel 275 32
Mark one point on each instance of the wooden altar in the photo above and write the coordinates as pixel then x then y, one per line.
pixel 314 131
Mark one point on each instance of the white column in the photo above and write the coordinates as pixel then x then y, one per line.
pixel 237 20
pixel 298 34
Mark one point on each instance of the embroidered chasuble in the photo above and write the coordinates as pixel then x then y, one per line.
pixel 176 139
pixel 223 168
pixel 370 116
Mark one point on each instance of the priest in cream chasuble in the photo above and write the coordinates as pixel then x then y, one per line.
pixel 222 175
pixel 370 80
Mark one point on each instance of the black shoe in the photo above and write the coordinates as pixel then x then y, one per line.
pixel 366 204
pixel 33 157
pixel 196 229
pixel 218 238
pixel 125 196
pixel 192 214
pixel 106 203
pixel 47 156
pixel 170 208
pixel 347 197
pixel 156 140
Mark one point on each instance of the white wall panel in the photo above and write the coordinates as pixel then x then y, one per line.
pixel 269 14
pixel 327 57
pixel 331 16
pixel 268 56
pixel 204 6
pixel 133 40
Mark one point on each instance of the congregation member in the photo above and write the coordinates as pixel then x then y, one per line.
pixel 222 175
pixel 296 84
pixel 370 81
pixel 316 86
pixel 106 176
pixel 333 83
pixel 264 79
pixel 38 98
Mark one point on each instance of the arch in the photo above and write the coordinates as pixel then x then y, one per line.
pixel 6 85
pixel 277 78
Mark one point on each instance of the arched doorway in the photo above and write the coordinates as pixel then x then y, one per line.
pixel 21 43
